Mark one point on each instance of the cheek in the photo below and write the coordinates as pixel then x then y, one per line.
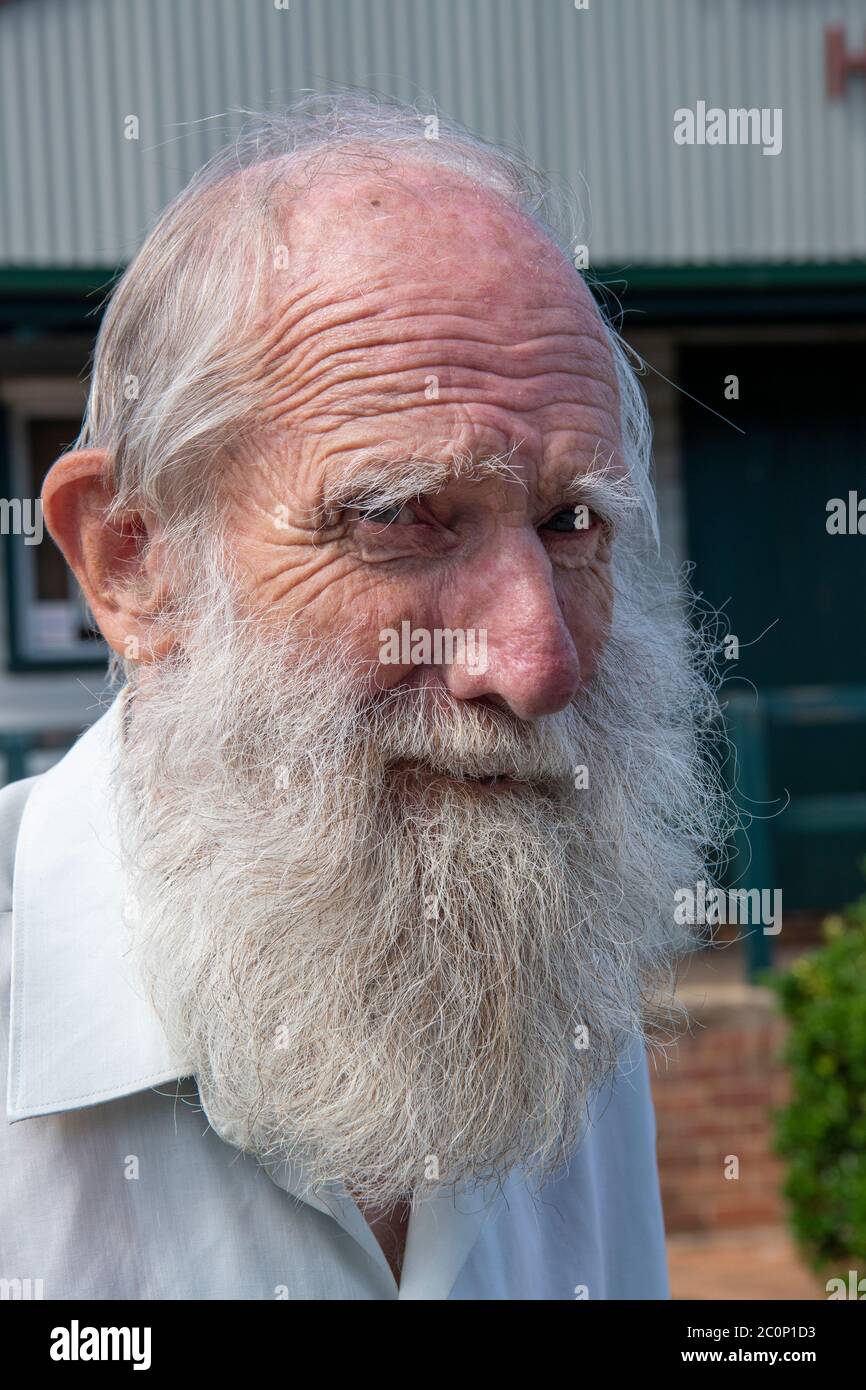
pixel 396 617
pixel 586 601
pixel 353 610
pixel 324 590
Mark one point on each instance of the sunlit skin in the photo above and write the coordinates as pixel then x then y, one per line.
pixel 395 279
pixel 425 282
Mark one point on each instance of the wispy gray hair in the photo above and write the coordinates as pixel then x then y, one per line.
pixel 173 397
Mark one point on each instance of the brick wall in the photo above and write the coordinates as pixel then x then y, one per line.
pixel 713 1092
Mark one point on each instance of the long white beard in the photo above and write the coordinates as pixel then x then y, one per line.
pixel 396 980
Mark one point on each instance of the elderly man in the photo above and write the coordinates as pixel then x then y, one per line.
pixel 337 942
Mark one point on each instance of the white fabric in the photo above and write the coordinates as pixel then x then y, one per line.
pixel 113 1184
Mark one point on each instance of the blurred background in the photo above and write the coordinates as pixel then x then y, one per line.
pixel 738 275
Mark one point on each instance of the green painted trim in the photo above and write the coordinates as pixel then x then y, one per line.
pixel 806 704
pixel 29 280
pixel 44 300
pixel 37 299
pixel 687 279
pixel 50 280
pixel 813 815
pixel 636 296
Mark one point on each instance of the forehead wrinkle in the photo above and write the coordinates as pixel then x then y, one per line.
pixel 348 397
pixel 358 377
pixel 353 350
pixel 355 324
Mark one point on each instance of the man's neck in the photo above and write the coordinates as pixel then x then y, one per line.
pixel 390 1228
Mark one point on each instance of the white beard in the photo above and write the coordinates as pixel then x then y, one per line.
pixel 370 970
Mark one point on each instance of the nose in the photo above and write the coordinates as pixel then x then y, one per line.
pixel 519 651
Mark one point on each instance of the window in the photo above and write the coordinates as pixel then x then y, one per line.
pixel 47 619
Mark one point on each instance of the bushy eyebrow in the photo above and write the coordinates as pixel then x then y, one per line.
pixel 608 493
pixel 374 481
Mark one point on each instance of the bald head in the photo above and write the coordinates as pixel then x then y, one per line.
pixel 427 287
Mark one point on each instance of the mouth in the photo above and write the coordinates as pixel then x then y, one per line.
pixel 498 782
pixel 494 782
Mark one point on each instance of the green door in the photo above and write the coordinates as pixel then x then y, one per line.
pixel 756 508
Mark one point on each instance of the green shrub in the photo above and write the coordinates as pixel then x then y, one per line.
pixel 822 1132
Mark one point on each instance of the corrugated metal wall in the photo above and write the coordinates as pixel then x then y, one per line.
pixel 590 95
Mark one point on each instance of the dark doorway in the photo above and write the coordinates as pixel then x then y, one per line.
pixel 756 508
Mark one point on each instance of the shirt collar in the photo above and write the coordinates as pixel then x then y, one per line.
pixel 81 1030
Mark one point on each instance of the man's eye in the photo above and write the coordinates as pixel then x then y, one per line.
pixel 571 519
pixel 402 515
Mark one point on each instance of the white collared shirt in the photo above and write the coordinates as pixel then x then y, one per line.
pixel 114 1186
